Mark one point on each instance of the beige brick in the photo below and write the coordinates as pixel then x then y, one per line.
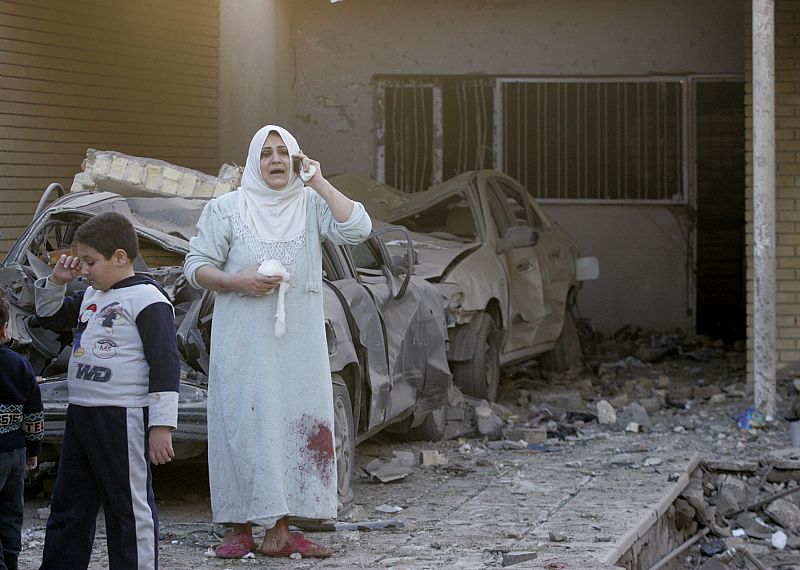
pixel 206 190
pixel 789 332
pixel 169 186
pixel 788 356
pixel 786 344
pixel 787 309
pixel 134 173
pixel 187 184
pixel 102 164
pixel 788 262
pixel 118 165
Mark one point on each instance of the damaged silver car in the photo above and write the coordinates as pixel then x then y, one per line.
pixel 510 273
pixel 385 327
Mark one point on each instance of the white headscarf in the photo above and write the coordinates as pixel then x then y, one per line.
pixel 274 215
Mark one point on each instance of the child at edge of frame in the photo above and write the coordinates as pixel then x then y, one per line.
pixel 123 380
pixel 21 434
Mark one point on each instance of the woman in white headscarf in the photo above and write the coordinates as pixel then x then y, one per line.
pixel 270 411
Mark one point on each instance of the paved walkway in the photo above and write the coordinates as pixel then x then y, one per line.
pixel 578 507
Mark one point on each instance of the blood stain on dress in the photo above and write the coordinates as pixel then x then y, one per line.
pixel 320 445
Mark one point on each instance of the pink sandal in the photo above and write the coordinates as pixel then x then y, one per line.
pixel 301 545
pixel 234 545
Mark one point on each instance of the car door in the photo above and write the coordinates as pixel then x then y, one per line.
pixel 362 307
pixel 557 262
pixel 406 338
pixel 523 265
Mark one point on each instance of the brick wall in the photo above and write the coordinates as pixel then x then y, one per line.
pixel 787 181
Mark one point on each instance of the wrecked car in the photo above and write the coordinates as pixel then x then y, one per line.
pixel 510 273
pixel 385 328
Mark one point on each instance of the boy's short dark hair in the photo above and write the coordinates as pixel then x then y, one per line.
pixel 108 232
pixel 4 312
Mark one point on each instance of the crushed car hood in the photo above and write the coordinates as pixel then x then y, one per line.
pixel 435 256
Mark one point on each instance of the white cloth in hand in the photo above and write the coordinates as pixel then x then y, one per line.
pixel 274 268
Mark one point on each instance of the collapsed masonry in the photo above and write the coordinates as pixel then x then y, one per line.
pixel 748 506
pixel 111 171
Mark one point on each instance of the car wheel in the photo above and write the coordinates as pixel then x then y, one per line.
pixel 479 376
pixel 344 441
pixel 566 353
pixel 432 429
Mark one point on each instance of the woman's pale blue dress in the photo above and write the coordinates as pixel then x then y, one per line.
pixel 270 411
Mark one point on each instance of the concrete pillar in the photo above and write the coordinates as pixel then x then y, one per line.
pixel 764 356
pixel 256 72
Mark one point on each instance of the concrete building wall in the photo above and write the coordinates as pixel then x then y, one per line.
pixel 642 250
pixel 643 253
pixel 787 181
pixel 257 72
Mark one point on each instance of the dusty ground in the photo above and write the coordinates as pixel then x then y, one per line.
pixel 487 501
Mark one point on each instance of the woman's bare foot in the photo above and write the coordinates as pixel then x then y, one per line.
pixel 237 542
pixel 280 542
pixel 276 538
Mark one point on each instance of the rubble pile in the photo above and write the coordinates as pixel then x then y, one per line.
pixel 633 382
pixel 751 508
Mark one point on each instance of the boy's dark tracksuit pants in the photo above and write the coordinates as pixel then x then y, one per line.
pixel 104 461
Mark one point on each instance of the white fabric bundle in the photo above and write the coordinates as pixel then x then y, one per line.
pixel 274 268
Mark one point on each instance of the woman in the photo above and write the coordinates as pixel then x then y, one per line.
pixel 270 411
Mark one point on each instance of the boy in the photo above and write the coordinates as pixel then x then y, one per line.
pixel 21 432
pixel 123 379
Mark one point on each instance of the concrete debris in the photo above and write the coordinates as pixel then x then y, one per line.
pixel 488 422
pixel 633 413
pixel 788 458
pixel 127 175
pixel 398 467
pixel 785 513
pixel 557 536
pixel 779 539
pixel 606 415
pixel 432 458
pixel 754 526
pixel 732 465
pixel 511 558
pixel 388 509
pixel 528 435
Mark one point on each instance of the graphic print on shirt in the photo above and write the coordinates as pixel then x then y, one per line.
pixel 105 348
pixel 111 315
pixel 77 350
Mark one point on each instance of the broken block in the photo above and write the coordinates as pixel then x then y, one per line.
pixel 432 458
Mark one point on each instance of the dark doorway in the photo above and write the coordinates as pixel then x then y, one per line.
pixel 721 290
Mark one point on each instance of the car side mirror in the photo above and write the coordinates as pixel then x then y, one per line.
pixel 517 236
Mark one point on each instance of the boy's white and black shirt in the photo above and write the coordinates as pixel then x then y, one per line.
pixel 124 351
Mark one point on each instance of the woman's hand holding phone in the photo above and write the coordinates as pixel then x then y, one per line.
pixel 305 167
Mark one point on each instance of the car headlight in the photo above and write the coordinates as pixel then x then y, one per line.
pixel 452 301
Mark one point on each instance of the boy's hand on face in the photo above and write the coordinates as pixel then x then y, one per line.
pixel 161 451
pixel 66 269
